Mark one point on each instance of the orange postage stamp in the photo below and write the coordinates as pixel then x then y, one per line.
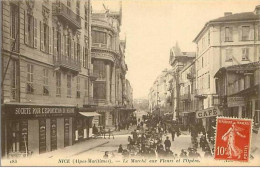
pixel 233 138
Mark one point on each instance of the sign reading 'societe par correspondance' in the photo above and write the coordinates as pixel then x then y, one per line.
pixel 209 112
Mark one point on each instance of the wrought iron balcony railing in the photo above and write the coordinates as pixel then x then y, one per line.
pixel 89 101
pixel 66 14
pixel 65 62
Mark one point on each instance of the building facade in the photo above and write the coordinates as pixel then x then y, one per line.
pixel 237 87
pixel 188 102
pixel 160 95
pixel 108 61
pixel 46 75
pixel 181 64
pixel 229 40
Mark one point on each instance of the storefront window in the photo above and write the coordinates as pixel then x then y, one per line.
pixel 18 137
pixel 42 136
pixel 53 134
pixel 102 118
pixel 66 131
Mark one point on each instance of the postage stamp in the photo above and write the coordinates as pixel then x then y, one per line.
pixel 233 138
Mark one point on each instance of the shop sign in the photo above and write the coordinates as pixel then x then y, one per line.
pixel 209 112
pixel 34 111
pixel 235 101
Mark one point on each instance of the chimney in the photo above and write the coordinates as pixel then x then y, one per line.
pixel 257 10
pixel 227 13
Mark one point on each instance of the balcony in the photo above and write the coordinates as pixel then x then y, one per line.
pixel 103 46
pixel 66 63
pixel 89 102
pixel 66 14
pixel 199 95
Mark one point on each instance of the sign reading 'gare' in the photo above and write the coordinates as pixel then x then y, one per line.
pixel 209 112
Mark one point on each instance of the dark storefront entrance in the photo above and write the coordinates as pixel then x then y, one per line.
pixel 35 129
pixel 83 125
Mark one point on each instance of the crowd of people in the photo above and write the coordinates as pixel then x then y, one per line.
pixel 153 137
pixel 148 140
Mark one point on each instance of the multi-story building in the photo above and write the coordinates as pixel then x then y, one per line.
pixel 46 75
pixel 229 40
pixel 159 94
pixel 108 59
pixel 178 60
pixel 129 95
pixel 237 87
pixel 187 100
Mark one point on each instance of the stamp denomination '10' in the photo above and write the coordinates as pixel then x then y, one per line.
pixel 233 139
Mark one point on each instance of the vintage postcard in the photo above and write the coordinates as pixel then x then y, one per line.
pixel 130 83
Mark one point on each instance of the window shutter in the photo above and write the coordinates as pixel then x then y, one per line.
pixel 54 44
pixel 243 53
pixel 251 33
pixel 240 33
pixel 222 32
pixel 25 28
pixel 72 49
pixel 80 54
pixel 66 46
pixel 50 40
pixel 231 33
pixel 35 33
pixel 41 36
pixel 62 44
pixel 83 61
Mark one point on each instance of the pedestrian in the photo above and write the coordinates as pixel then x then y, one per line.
pixel 183 154
pixel 120 149
pixel 95 130
pixel 134 136
pixel 172 130
pixel 167 144
pixel 106 155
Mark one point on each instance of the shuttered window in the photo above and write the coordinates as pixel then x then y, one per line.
pixel 14 46
pixel 245 33
pixel 228 34
pixel 45 82
pixel 46 38
pixel 29 87
pixel 245 53
pixel 78 87
pixel 69 85
pixel 58 84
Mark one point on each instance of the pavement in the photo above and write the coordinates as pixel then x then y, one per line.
pixel 75 149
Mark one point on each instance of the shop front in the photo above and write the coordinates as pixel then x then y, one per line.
pixel 187 119
pixel 208 118
pixel 83 125
pixel 35 129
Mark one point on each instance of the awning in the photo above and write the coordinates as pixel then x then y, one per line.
pixel 89 114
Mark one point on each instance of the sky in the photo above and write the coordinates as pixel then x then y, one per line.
pixel 152 27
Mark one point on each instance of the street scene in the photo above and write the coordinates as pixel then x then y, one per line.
pixel 97 82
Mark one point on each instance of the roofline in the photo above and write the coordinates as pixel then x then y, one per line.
pixel 220 22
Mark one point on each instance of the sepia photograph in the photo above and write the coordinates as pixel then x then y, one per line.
pixel 130 83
